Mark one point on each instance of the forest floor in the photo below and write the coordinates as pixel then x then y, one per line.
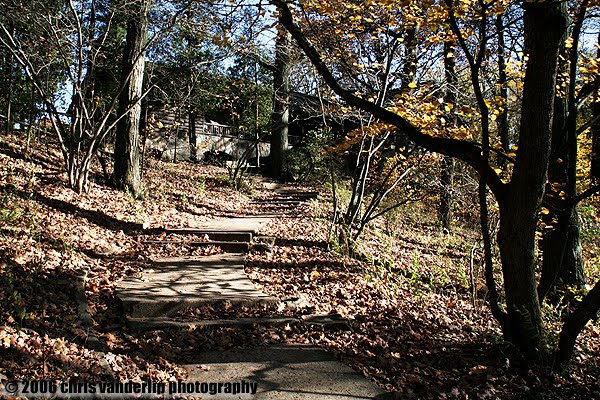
pixel 416 328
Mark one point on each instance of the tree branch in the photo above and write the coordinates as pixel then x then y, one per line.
pixel 588 193
pixel 460 149
pixel 574 324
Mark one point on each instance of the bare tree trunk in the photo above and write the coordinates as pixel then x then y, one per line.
pixel 177 118
pixel 447 187
pixel 574 324
pixel 32 117
pixel 257 113
pixel 9 125
pixel 448 163
pixel 9 86
pixel 127 156
pixel 409 70
pixel 595 170
pixel 503 132
pixel 561 245
pixel 192 136
pixel 569 220
pixel 281 106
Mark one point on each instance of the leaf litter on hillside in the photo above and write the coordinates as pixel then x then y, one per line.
pixel 418 337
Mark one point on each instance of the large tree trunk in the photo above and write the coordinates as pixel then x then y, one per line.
pixel 545 24
pixel 9 84
pixel 503 132
pixel 562 256
pixel 409 70
pixel 561 248
pixel 448 163
pixel 574 324
pixel 595 170
pixel 127 154
pixel 281 106
pixel 446 189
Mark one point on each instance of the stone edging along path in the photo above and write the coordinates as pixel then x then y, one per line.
pixel 279 371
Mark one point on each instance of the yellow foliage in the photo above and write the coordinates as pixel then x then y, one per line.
pixel 431 116
pixel 584 161
pixel 357 135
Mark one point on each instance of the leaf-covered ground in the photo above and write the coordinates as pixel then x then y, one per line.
pixel 415 325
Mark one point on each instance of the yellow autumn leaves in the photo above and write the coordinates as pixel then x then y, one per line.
pixel 434 116
pixel 354 137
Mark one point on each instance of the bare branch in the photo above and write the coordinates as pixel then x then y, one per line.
pixel 451 147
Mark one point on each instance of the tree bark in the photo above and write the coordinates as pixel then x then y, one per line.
pixel 446 189
pixel 409 70
pixel 281 106
pixel 448 163
pixel 545 24
pixel 574 324
pixel 561 245
pixel 595 169
pixel 127 153
pixel 503 132
pixel 193 138
pixel 569 220
pixel 9 85
pixel 33 112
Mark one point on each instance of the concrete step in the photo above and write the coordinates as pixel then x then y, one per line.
pixel 166 323
pixel 269 215
pixel 232 236
pixel 168 306
pixel 280 202
pixel 297 194
pixel 284 372
pixel 227 247
pixel 249 223
pixel 325 322
pixel 174 284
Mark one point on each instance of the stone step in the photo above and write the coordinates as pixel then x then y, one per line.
pixel 269 215
pixel 325 322
pixel 166 307
pixel 278 202
pixel 297 194
pixel 284 372
pixel 227 247
pixel 167 323
pixel 174 284
pixel 163 306
pixel 145 323
pixel 249 223
pixel 220 236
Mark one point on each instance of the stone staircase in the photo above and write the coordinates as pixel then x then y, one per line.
pixel 174 284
